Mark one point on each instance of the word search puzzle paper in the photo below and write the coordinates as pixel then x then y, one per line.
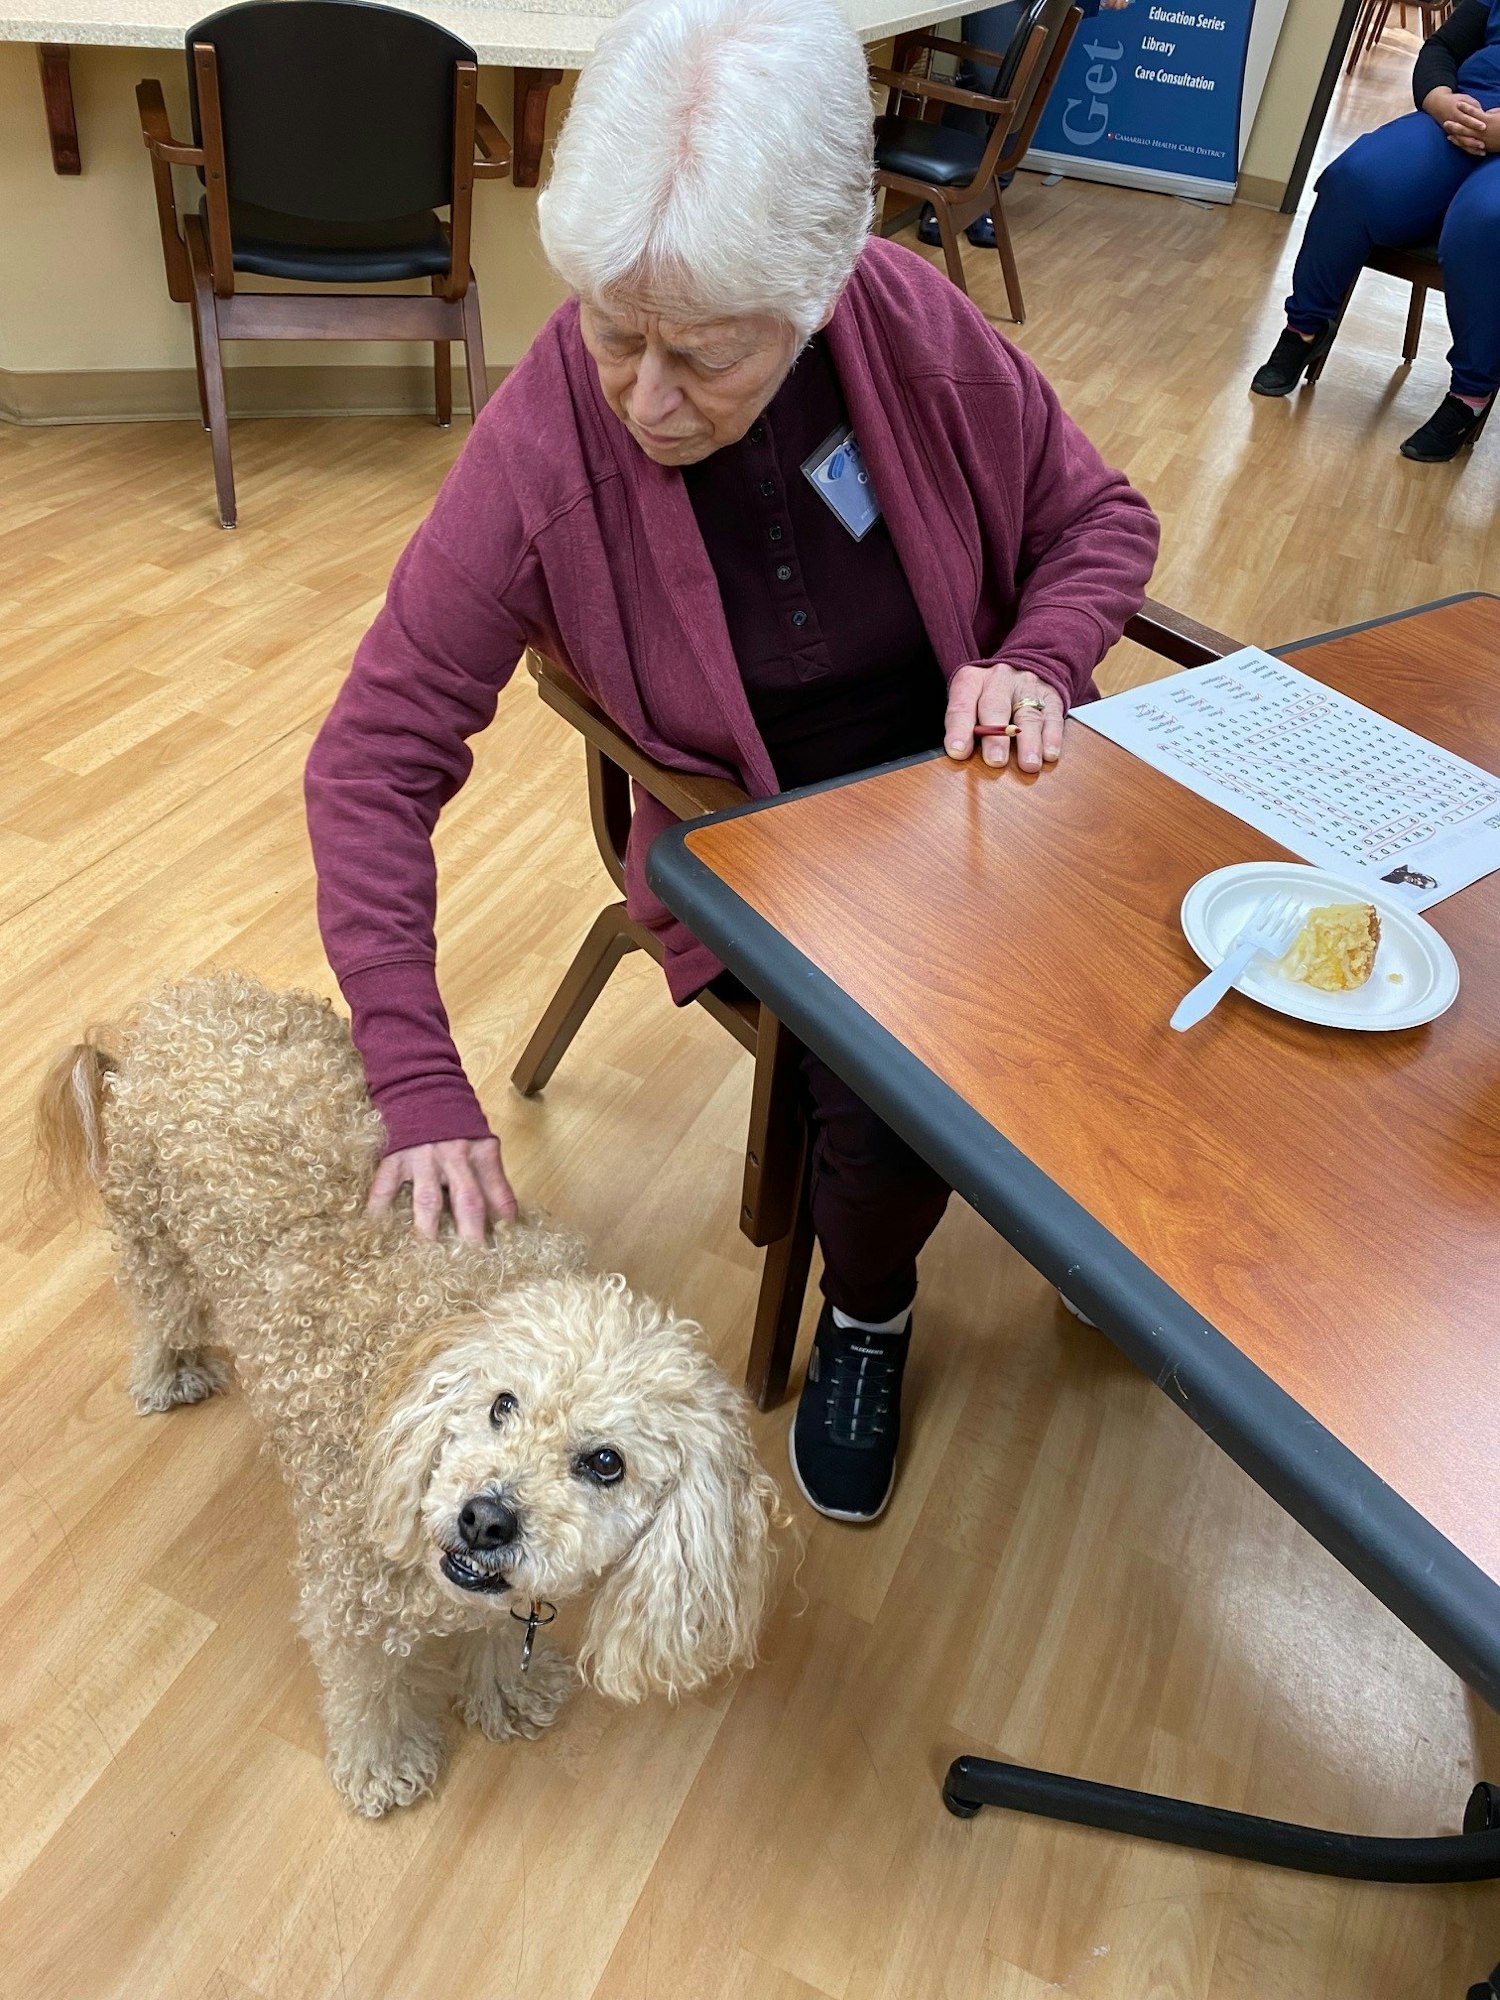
pixel 1329 779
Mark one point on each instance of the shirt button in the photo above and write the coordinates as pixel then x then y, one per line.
pixel 783 572
pixel 757 434
pixel 773 534
pixel 799 619
pixel 768 488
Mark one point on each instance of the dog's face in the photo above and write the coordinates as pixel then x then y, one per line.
pixel 573 1435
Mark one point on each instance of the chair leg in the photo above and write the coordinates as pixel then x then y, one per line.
pixel 610 937
pixel 1318 366
pixel 442 371
pixel 1007 252
pixel 1414 311
pixel 479 381
pixel 777 1135
pixel 1356 40
pixel 950 243
pixel 198 366
pixel 205 313
pixel 783 1289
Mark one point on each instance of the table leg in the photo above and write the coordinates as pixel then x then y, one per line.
pixel 528 130
pixel 54 62
pixel 1470 1856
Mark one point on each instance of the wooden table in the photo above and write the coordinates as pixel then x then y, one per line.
pixel 1296 1232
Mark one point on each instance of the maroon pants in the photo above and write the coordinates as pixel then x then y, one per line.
pixel 874 1201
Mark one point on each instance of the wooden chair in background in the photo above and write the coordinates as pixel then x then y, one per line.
pixel 774 1211
pixel 326 134
pixel 774 1203
pixel 1374 17
pixel 959 171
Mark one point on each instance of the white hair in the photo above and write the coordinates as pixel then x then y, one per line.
pixel 717 161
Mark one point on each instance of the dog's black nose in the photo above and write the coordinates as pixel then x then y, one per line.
pixel 487 1523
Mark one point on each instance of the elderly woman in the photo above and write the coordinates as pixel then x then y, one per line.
pixel 640 501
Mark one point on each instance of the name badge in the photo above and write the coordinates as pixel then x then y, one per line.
pixel 839 474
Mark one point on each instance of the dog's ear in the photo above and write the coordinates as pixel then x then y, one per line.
pixel 410 1411
pixel 689 1599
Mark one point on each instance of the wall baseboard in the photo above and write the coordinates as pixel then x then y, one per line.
pixel 145 395
pixel 1257 191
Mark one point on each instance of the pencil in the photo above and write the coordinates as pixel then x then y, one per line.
pixel 997 729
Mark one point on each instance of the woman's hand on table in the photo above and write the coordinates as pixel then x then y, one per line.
pixel 997 695
pixel 464 1175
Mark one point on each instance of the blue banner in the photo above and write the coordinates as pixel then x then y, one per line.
pixel 1150 93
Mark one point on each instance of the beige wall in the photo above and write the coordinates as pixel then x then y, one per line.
pixel 81 282
pixel 1288 95
pixel 83 300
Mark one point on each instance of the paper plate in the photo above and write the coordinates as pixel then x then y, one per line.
pixel 1415 977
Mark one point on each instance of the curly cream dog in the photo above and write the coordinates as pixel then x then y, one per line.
pixel 462 1430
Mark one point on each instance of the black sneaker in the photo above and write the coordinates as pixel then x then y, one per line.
pixel 1452 425
pixel 843 1439
pixel 980 233
pixel 1289 357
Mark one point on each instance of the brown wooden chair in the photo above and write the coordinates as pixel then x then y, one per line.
pixel 959 171
pixel 774 1209
pixel 1374 16
pixel 326 133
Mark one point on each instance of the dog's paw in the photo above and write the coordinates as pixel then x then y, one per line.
pixel 524 1705
pixel 179 1378
pixel 377 1785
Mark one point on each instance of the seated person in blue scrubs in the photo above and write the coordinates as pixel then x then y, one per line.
pixel 1432 176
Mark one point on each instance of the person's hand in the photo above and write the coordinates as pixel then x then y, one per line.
pixel 1463 120
pixel 465 1173
pixel 999 694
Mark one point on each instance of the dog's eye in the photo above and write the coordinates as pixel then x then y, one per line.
pixel 606 1465
pixel 504 1405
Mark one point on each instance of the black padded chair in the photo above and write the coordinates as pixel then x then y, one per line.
pixel 958 166
pixel 326 134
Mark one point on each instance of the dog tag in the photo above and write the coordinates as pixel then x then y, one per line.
pixel 533 1618
pixel 838 474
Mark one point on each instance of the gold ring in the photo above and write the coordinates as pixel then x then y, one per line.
pixel 1028 701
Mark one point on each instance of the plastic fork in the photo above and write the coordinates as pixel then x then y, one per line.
pixel 1273 924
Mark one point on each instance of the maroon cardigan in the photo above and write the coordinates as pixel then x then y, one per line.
pixel 554 530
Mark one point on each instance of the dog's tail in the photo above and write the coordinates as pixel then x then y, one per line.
pixel 70 1140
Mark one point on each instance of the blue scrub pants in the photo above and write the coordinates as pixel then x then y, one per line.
pixel 1406 183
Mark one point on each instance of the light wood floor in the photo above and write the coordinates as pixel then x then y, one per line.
pixel 1070 1572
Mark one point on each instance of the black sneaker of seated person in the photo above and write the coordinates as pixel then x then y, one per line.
pixel 844 1437
pixel 1450 427
pixel 980 233
pixel 1289 357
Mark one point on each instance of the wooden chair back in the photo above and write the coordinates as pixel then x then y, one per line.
pixel 1025 72
pixel 332 111
pixel 1031 101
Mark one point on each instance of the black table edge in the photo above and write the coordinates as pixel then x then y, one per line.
pixel 1431 1586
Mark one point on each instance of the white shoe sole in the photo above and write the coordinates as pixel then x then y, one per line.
pixel 831 1513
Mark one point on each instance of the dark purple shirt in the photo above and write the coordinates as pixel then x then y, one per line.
pixel 837 665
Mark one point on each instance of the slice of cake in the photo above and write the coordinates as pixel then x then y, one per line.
pixel 1335 948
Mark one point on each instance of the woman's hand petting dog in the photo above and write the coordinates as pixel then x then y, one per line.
pixel 466 1175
